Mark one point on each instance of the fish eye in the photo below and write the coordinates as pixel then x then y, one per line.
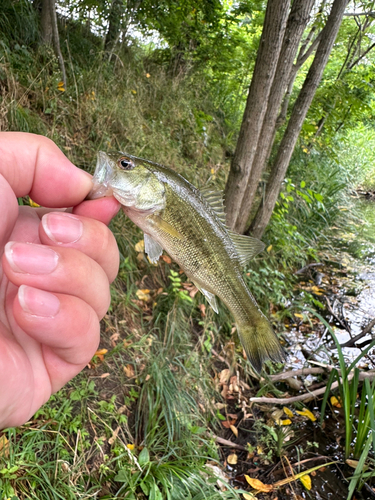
pixel 125 163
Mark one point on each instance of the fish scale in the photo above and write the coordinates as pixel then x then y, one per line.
pixel 188 225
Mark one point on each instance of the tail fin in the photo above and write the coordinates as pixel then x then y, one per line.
pixel 260 343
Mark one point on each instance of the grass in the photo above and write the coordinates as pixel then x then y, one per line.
pixel 138 432
pixel 137 423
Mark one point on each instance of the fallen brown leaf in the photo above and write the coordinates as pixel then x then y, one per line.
pixel 129 371
pixel 258 485
pixel 4 446
pixel 228 423
pixel 112 439
pixel 234 430
pixel 232 459
pixel 202 308
pixel 224 376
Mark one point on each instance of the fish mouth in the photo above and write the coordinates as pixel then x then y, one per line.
pixel 102 176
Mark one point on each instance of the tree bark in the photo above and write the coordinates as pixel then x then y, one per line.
pixel 50 32
pixel 114 26
pixel 56 40
pixel 256 106
pixel 46 23
pixel 301 59
pixel 297 22
pixel 297 118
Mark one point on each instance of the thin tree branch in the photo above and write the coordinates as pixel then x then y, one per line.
pixel 370 14
pixel 367 329
pixel 226 442
pixel 302 57
pixel 296 373
pixel 313 394
pixel 354 63
pixel 305 268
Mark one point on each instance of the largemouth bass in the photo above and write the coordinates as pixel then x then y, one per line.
pixel 190 226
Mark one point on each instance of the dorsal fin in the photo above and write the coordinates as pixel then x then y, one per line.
pixel 246 246
pixel 216 201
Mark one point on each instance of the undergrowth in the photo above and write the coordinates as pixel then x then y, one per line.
pixel 139 422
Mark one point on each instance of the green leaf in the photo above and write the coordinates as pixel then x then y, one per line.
pixel 302 184
pixel 122 477
pixel 144 457
pixel 145 487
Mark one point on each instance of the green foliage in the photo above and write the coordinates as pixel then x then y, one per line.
pixel 176 287
pixel 359 144
pixel 19 25
pixel 348 386
pixel 275 439
pixel 161 479
pixel 361 473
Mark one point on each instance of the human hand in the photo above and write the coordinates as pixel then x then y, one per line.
pixel 54 275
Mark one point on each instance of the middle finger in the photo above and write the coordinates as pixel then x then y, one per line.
pixel 60 270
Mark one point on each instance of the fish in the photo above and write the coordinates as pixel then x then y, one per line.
pixel 189 224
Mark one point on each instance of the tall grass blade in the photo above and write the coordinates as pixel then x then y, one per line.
pixel 370 402
pixel 358 471
pixel 331 377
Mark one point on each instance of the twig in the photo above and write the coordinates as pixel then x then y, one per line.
pixel 296 464
pixel 367 329
pixel 303 269
pixel 312 394
pixel 220 358
pixel 336 317
pixel 226 442
pixel 296 373
pixel 301 397
pixel 371 13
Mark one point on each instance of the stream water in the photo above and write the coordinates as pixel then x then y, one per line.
pixel 353 301
pixel 354 304
pixel 359 310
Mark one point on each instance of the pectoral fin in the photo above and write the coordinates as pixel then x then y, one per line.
pixel 152 248
pixel 163 225
pixel 210 297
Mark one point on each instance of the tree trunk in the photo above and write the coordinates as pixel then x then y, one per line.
pixel 297 118
pixel 56 40
pixel 114 27
pixel 50 32
pixel 297 22
pixel 46 23
pixel 301 59
pixel 256 106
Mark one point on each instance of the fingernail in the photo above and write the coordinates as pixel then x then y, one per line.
pixel 62 227
pixel 38 302
pixel 31 259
